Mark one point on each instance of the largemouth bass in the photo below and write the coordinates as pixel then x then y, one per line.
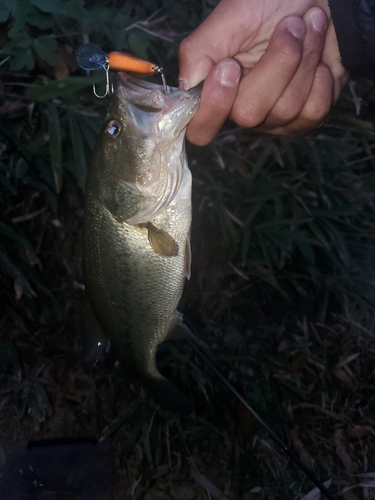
pixel 137 217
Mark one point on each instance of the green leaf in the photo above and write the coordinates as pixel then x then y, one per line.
pixel 34 402
pixel 22 59
pixel 125 412
pixel 41 20
pixel 7 184
pixel 20 13
pixel 5 10
pixel 253 213
pixel 90 127
pixel 49 6
pixel 74 9
pixel 318 233
pixel 58 88
pixel 161 470
pixel 8 232
pixel 8 358
pixel 80 162
pixel 337 241
pixel 55 149
pixel 15 46
pixel 258 165
pixel 245 245
pixel 16 274
pixel 307 251
pixel 263 246
pixel 139 44
pixel 207 485
pixel 280 223
pixel 46 49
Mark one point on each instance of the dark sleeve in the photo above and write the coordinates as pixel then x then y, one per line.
pixel 354 22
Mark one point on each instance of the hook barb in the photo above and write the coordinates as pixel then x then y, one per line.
pixel 107 84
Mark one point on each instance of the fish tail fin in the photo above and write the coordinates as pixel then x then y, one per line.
pixel 168 396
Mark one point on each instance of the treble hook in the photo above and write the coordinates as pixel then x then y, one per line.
pixel 107 84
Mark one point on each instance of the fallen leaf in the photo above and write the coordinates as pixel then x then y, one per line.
pixel 303 454
pixel 360 431
pixel 344 378
pixel 345 451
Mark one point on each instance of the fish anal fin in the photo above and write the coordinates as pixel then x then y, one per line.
pixel 178 330
pixel 160 241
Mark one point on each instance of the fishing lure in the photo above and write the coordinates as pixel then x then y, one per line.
pixel 90 57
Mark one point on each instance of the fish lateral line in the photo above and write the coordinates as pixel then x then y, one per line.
pixel 90 57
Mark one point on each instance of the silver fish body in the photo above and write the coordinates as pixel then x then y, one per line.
pixel 137 217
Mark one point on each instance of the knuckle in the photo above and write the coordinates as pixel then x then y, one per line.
pixel 247 117
pixel 290 104
pixel 316 108
pixel 286 110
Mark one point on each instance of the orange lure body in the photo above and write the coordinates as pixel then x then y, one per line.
pixel 119 61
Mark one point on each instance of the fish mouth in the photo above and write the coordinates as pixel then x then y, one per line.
pixel 137 84
pixel 151 97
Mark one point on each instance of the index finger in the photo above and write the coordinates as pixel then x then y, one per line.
pixel 218 37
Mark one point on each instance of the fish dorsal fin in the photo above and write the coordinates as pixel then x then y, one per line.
pixel 161 241
pixel 187 270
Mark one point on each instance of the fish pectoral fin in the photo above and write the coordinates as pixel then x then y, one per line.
pixel 161 241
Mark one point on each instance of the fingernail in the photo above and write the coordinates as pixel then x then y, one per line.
pixel 183 84
pixel 229 73
pixel 296 27
pixel 318 20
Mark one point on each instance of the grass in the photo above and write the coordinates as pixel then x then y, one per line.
pixel 281 293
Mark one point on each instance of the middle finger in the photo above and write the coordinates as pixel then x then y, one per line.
pixel 262 87
pixel 293 99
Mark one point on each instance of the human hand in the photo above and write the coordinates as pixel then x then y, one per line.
pixel 262 69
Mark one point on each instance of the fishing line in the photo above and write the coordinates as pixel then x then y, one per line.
pixel 291 454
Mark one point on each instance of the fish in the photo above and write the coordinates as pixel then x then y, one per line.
pixel 136 231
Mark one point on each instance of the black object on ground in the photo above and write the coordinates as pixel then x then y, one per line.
pixel 60 469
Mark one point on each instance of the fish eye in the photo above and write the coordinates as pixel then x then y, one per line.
pixel 113 129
